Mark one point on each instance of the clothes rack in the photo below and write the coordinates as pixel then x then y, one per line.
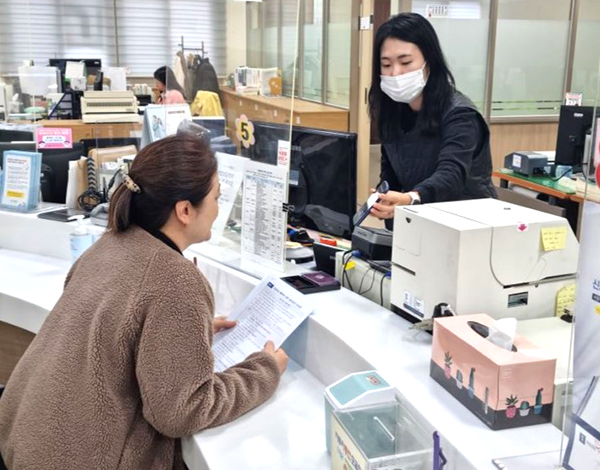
pixel 182 48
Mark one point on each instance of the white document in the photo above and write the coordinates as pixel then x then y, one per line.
pixel 584 453
pixel 17 182
pixel 263 218
pixel 231 174
pixel 75 70
pixel 118 78
pixel 272 311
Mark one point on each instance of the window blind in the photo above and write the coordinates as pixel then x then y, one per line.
pixel 149 32
pixel 44 29
pixel 143 36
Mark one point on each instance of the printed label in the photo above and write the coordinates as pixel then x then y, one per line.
pixel 516 161
pixel 54 138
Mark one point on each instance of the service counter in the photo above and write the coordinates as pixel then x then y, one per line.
pixel 347 333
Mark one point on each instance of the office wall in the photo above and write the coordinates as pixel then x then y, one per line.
pixel 236 35
pixel 510 137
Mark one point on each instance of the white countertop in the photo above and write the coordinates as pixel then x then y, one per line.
pixel 347 333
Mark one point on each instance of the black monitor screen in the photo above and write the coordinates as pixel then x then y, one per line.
pixel 92 66
pixel 575 122
pixel 55 172
pixel 10 135
pixel 216 125
pixel 322 174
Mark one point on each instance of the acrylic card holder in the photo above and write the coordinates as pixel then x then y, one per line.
pixel 20 180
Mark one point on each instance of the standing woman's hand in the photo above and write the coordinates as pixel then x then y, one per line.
pixel 384 209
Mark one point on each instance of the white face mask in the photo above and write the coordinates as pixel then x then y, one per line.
pixel 406 87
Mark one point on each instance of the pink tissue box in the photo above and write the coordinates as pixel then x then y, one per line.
pixel 505 389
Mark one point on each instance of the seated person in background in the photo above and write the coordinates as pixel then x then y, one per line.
pixel 435 144
pixel 170 90
pixel 123 365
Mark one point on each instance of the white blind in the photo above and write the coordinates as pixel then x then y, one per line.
pixel 44 29
pixel 149 31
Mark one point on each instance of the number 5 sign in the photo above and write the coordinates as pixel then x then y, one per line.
pixel 244 131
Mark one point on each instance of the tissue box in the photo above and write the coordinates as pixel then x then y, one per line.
pixel 505 389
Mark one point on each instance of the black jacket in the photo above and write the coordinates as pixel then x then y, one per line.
pixel 454 164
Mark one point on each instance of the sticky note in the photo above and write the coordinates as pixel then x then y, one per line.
pixel 350 265
pixel 565 298
pixel 554 238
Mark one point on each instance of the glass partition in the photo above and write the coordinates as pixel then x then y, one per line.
pixel 339 29
pixel 312 61
pixel 582 429
pixel 585 59
pixel 224 77
pixel 463 35
pixel 530 57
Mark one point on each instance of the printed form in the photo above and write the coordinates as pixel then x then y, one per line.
pixel 263 218
pixel 272 311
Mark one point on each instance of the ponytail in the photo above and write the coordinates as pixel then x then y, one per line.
pixel 120 209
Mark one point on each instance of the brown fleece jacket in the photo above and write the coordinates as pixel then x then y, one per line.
pixel 123 366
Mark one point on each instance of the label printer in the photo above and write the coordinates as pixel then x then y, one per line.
pixel 480 256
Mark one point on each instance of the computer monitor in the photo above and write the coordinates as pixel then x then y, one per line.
pixel 55 172
pixel 215 124
pixel 10 135
pixel 322 174
pixel 93 66
pixel 574 125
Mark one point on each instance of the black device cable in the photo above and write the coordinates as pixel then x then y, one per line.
pixel 344 266
pixel 371 285
pixel 362 280
pixel 553 178
pixel 388 274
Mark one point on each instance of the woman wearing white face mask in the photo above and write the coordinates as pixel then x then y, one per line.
pixel 434 142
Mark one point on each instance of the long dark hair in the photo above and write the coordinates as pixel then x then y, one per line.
pixel 166 76
pixel 413 28
pixel 176 168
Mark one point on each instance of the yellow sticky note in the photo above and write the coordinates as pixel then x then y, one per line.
pixel 565 298
pixel 554 238
pixel 597 310
pixel 350 265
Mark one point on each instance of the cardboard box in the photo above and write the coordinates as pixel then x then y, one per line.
pixel 505 389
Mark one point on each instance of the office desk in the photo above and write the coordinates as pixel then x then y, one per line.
pixel 82 130
pixel 558 195
pixel 278 110
pixel 540 184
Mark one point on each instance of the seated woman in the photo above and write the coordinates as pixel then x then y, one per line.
pixel 123 365
pixel 170 90
pixel 435 144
